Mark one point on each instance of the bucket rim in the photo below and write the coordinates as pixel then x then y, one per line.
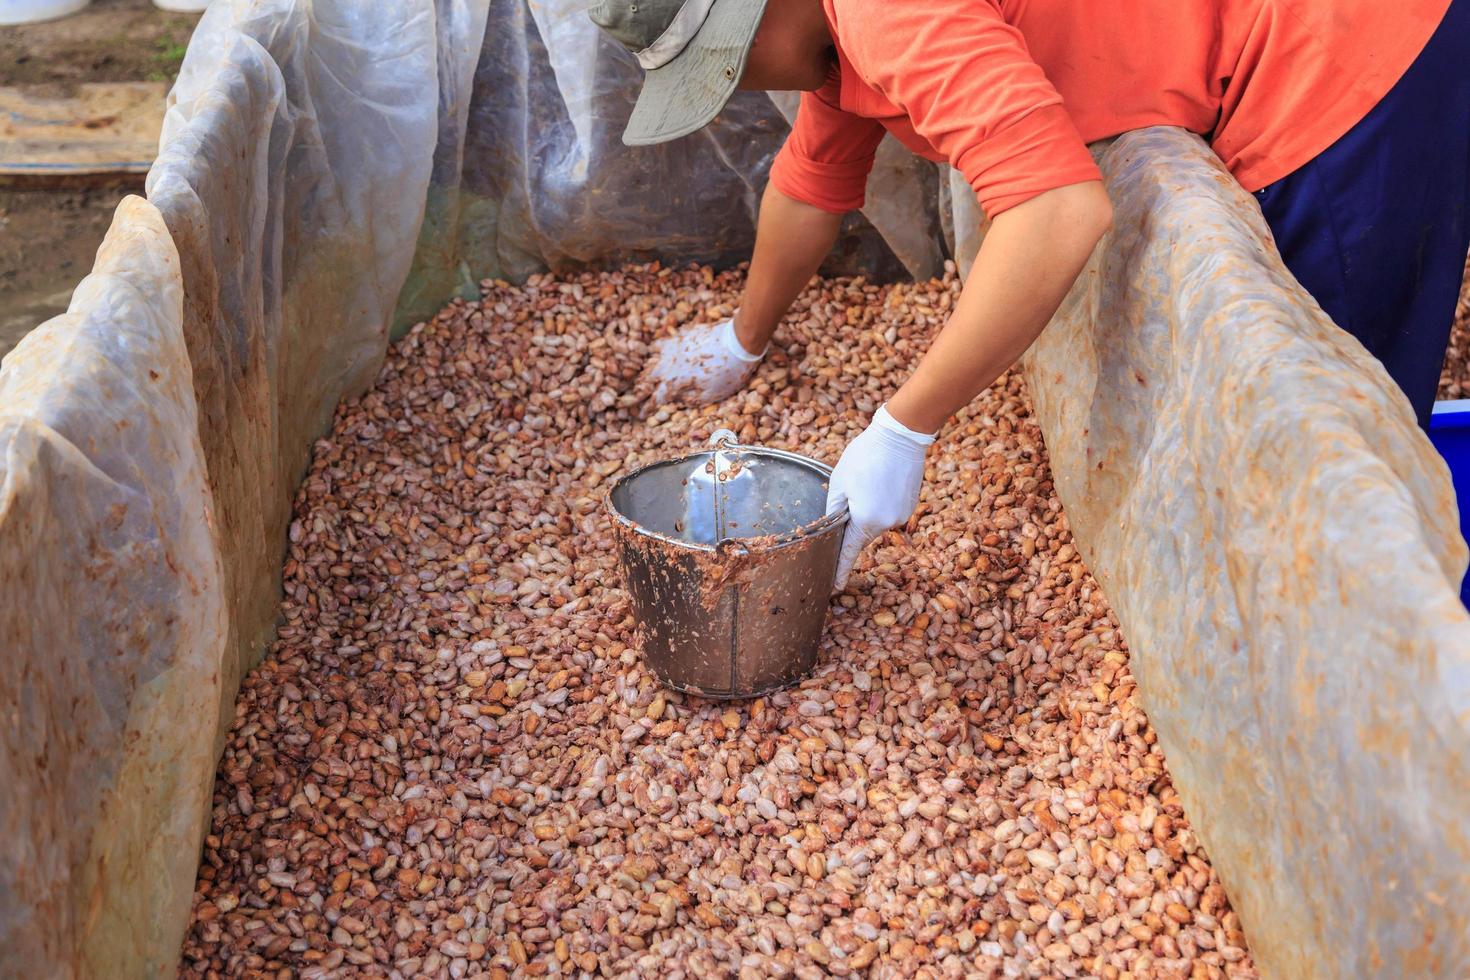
pixel 767 542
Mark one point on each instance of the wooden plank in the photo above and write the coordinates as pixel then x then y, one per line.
pixel 96 129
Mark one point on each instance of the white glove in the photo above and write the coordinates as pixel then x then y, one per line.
pixel 700 364
pixel 878 478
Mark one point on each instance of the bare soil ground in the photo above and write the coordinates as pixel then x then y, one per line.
pixel 110 41
pixel 48 237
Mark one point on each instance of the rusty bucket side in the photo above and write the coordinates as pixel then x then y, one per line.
pixel 729 558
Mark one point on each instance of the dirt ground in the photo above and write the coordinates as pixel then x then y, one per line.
pixel 48 238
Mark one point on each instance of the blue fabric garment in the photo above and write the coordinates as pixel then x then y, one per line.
pixel 1377 226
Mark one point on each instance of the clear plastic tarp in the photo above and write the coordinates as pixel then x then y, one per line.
pixel 1276 536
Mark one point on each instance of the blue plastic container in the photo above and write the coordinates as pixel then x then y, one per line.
pixel 1449 430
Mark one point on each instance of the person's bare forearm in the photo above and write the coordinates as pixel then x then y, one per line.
pixel 1028 261
pixel 791 240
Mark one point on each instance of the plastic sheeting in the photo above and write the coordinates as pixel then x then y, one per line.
pixel 113 619
pixel 152 437
pixel 545 181
pixel 295 157
pixel 1276 537
pixel 1278 540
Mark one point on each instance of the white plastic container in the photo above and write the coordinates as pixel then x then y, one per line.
pixel 30 11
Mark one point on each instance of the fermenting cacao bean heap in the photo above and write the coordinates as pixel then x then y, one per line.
pixel 452 761
pixel 1454 379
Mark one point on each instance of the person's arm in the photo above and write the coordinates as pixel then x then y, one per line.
pixel 708 362
pixel 1027 262
pixel 791 240
pixel 963 77
pixel 819 175
pixel 1029 259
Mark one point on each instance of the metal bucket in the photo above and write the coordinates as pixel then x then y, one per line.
pixel 729 556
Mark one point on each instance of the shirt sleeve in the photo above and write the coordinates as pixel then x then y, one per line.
pixel 826 159
pixel 970 88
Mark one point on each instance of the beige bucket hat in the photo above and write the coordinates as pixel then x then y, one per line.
pixel 693 53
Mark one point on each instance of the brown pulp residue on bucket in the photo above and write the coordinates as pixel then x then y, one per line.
pixel 736 564
pixel 739 567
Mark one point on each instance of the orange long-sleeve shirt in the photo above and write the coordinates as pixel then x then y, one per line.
pixel 1009 91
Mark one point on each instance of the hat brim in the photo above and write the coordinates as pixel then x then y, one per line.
pixel 689 91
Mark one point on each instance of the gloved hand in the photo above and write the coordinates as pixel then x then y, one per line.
pixel 878 478
pixel 700 364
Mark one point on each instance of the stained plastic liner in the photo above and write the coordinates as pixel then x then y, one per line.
pixel 1280 543
pixel 1277 537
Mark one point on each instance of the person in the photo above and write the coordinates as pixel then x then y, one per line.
pixel 1348 119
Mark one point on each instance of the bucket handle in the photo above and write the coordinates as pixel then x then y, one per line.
pixel 723 439
pixel 732 547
